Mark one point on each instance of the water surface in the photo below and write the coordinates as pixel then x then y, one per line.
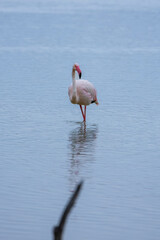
pixel 45 147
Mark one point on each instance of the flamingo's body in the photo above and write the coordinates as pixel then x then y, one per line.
pixel 81 92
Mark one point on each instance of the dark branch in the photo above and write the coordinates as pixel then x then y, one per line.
pixel 58 230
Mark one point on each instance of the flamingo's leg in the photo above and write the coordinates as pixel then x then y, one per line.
pixel 82 112
pixel 85 113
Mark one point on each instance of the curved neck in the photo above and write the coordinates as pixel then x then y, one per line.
pixel 74 80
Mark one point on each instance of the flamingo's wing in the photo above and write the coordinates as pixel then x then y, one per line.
pixel 84 96
pixel 87 93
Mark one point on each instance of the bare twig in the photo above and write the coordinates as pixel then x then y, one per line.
pixel 58 230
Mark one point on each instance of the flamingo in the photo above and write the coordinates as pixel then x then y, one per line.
pixel 81 92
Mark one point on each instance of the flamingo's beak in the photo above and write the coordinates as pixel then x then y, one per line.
pixel 79 71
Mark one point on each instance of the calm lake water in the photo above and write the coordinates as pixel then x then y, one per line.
pixel 45 148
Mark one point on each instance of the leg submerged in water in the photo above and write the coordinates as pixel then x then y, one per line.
pixel 83 113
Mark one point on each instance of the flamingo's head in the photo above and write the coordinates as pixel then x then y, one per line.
pixel 77 68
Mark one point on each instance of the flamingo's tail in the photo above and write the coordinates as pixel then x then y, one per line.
pixel 96 102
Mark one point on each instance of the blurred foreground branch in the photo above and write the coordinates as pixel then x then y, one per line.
pixel 58 230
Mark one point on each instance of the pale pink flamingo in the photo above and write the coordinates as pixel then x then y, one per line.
pixel 81 92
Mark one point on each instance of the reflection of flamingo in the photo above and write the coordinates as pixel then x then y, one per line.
pixel 81 91
pixel 82 145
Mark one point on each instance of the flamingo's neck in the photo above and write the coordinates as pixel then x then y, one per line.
pixel 74 81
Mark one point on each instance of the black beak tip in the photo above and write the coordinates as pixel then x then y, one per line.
pixel 80 74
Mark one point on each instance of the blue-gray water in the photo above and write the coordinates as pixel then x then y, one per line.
pixel 45 149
